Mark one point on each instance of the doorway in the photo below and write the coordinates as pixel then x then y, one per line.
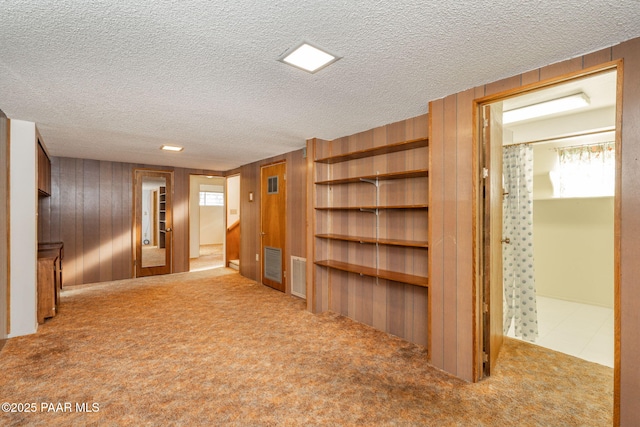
pixel 273 221
pixel 560 291
pixel 206 222
pixel 153 210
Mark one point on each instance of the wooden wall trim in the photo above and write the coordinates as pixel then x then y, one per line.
pixel 628 387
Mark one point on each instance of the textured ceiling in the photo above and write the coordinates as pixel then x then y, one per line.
pixel 114 80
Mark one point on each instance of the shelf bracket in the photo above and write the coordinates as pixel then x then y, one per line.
pixel 373 211
pixel 370 181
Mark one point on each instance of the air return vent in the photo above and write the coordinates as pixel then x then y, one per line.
pixel 299 277
pixel 273 264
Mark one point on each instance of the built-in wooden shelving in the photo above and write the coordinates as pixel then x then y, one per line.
pixel 340 197
pixel 375 151
pixel 370 207
pixel 385 176
pixel 374 272
pixel 373 240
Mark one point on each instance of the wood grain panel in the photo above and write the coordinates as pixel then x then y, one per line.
pixel 105 220
pixel 91 221
pixel 627 389
pixel 561 68
pixel 526 78
pixel 504 84
pixel 464 232
pixel 436 233
pixel 450 233
pixel 597 58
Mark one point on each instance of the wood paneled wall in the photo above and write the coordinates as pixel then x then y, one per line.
pixel 250 212
pixel 451 217
pixel 90 210
pixel 397 308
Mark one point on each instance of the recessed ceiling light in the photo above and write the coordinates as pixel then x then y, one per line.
pixel 546 108
pixel 308 58
pixel 171 148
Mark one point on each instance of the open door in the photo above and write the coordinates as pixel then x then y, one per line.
pixel 153 215
pixel 273 211
pixel 492 235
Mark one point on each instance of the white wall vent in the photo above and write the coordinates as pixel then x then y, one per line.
pixel 299 277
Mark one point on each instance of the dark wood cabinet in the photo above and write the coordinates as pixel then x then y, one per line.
pixel 50 255
pixel 44 171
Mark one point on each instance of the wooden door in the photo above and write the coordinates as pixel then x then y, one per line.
pixel 153 216
pixel 492 235
pixel 273 219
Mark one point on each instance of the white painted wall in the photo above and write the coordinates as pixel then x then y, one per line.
pixel 233 199
pixel 212 230
pixel 573 249
pixel 24 226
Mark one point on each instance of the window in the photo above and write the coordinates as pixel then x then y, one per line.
pixel 585 171
pixel 210 198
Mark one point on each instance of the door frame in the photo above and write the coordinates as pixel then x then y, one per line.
pixel 284 231
pixel 224 217
pixel 478 275
pixel 138 270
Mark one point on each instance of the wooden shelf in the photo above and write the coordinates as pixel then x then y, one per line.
pixel 369 208
pixel 384 176
pixel 372 240
pixel 375 151
pixel 372 272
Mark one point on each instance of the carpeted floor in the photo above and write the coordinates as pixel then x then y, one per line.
pixel 213 348
pixel 211 256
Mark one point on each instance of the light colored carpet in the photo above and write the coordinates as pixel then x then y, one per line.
pixel 211 256
pixel 213 348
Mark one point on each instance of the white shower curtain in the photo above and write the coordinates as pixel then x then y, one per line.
pixel 518 267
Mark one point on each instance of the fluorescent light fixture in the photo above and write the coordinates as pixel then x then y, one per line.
pixel 308 58
pixel 546 108
pixel 171 148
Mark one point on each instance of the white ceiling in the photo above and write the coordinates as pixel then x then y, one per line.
pixel 114 80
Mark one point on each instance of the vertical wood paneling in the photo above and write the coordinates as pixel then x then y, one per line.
pixel 91 221
pixel 597 58
pixel 628 300
pixel 560 68
pixel 436 233
pixel 464 230
pixel 450 234
pixel 105 219
pixel 91 212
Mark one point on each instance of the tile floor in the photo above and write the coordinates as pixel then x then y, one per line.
pixel 581 330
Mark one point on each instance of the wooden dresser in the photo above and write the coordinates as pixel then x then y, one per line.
pixel 50 255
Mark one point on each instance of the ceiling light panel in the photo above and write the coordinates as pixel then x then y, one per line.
pixel 171 148
pixel 546 108
pixel 308 58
